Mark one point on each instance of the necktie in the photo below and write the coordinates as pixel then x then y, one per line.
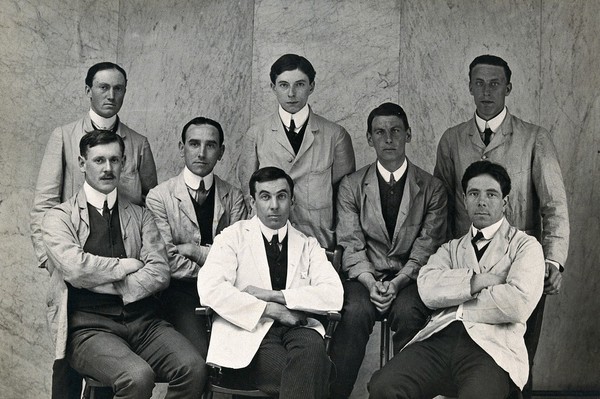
pixel 487 135
pixel 292 128
pixel 274 245
pixel 478 252
pixel 106 212
pixel 392 180
pixel 201 193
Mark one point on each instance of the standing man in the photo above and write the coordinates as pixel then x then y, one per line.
pixel 391 218
pixel 108 261
pixel 483 288
pixel 538 204
pixel 314 151
pixel 190 210
pixel 261 276
pixel 60 177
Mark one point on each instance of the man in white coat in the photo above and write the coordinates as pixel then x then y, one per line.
pixel 484 287
pixel 261 277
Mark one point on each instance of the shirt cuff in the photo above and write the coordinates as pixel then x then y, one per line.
pixel 459 312
pixel 556 264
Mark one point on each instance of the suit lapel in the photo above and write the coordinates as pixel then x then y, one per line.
pixel 220 195
pixel 82 217
pixel 259 254
pixel 474 135
pixel 295 247
pixel 185 201
pixel 312 128
pixel 411 190
pixel 280 138
pixel 502 134
pixel 371 192
pixel 125 219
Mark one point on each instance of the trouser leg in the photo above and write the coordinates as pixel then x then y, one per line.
pixel 408 315
pixel 66 382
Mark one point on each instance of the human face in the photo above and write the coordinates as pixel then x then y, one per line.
pixel 107 92
pixel 201 150
pixel 484 201
pixel 489 89
pixel 292 89
pixel 102 166
pixel 389 136
pixel 272 202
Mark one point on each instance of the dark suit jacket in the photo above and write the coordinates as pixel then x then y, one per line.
pixel 420 227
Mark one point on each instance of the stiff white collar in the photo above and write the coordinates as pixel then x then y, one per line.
pixel 96 198
pixel 101 122
pixel 268 232
pixel 488 232
pixel 193 181
pixel 300 117
pixel 398 173
pixel 493 123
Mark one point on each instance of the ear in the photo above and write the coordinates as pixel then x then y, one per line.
pixel 370 139
pixel 81 161
pixel 408 135
pixel 312 87
pixel 470 87
pixel 181 149
pixel 123 159
pixel 504 203
pixel 222 151
pixel 508 89
pixel 273 86
pixel 88 91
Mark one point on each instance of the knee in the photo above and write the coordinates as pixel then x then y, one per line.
pixel 379 387
pixel 137 381
pixel 359 311
pixel 408 311
pixel 192 367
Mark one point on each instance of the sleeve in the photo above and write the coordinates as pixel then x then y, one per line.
pixel 343 157
pixel 180 266
pixel 350 234
pixel 48 191
pixel 238 207
pixel 65 252
pixel 432 233
pixel 440 284
pixel 445 171
pixel 147 170
pixel 324 291
pixel 155 275
pixel 247 162
pixel 216 285
pixel 513 301
pixel 549 186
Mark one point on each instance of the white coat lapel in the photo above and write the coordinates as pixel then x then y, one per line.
pixel 496 249
pixel 295 250
pixel 467 254
pixel 259 254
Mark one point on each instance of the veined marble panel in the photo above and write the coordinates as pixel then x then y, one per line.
pixel 186 59
pixel 46 48
pixel 439 39
pixel 570 108
pixel 353 46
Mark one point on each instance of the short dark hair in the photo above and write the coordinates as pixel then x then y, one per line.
pixel 269 173
pixel 488 59
pixel 201 120
pixel 496 171
pixel 290 62
pixel 102 66
pixel 387 109
pixel 98 137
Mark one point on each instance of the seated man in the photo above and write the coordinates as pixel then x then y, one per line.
pixel 260 277
pixel 109 259
pixel 391 218
pixel 190 210
pixel 483 286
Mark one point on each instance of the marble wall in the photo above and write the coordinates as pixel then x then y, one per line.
pixel 187 58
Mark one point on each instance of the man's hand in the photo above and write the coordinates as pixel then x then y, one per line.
pixel 287 317
pixel 265 295
pixel 484 280
pixel 131 265
pixel 382 295
pixel 552 280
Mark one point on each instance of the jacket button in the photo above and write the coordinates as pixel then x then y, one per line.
pixel 484 157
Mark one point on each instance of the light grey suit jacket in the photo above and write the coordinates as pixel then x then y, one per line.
pixel 537 198
pixel 238 259
pixel 496 317
pixel 176 219
pixel 420 226
pixel 325 156
pixel 66 228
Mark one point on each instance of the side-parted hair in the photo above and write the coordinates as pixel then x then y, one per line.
pixel 102 66
pixel 387 109
pixel 494 170
pixel 269 173
pixel 290 62
pixel 488 59
pixel 99 137
pixel 201 120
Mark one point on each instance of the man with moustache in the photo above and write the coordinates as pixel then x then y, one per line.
pixel 60 178
pixel 483 288
pixel 538 204
pixel 314 151
pixel 260 277
pixel 190 210
pixel 391 218
pixel 108 261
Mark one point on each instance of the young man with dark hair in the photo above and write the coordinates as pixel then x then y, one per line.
pixel 60 178
pixel 190 210
pixel 261 277
pixel 483 287
pixel 391 218
pixel 108 261
pixel 314 151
